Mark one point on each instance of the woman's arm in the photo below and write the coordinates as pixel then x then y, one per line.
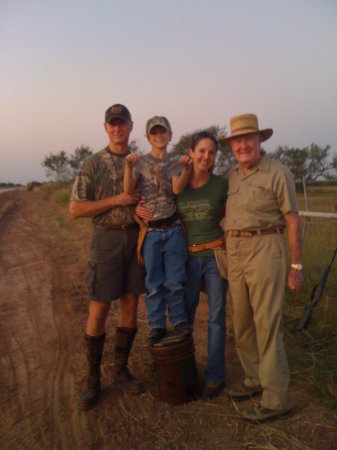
pixel 179 182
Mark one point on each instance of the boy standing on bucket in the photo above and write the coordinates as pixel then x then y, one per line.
pixel 159 178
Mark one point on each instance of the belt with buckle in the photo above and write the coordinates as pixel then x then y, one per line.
pixel 220 242
pixel 163 223
pixel 246 233
pixel 127 226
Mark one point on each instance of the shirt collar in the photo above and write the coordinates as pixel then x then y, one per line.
pixel 263 165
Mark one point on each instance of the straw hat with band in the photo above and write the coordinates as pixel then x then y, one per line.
pixel 247 124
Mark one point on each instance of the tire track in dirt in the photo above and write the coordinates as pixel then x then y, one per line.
pixel 19 327
pixel 37 384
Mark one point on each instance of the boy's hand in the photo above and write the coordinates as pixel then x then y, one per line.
pixel 131 159
pixel 185 160
pixel 143 212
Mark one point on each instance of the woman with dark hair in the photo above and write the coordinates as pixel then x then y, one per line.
pixel 201 206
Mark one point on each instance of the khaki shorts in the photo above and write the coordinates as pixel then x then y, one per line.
pixel 113 269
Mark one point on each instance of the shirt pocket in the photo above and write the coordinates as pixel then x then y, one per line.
pixel 232 193
pixel 232 198
pixel 261 198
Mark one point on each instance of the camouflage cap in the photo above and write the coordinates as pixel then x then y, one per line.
pixel 158 120
pixel 117 112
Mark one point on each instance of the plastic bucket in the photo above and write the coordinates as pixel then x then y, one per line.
pixel 176 371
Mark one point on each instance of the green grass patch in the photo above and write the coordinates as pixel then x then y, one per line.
pixel 312 352
pixel 48 189
pixel 61 196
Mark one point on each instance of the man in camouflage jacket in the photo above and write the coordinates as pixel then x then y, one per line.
pixel 113 271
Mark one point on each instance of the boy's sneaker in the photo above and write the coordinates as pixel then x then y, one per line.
pixel 184 328
pixel 156 335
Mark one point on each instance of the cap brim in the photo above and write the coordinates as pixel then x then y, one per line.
pixel 158 125
pixel 119 117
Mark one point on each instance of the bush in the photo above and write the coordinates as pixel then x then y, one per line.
pixel 49 189
pixel 61 196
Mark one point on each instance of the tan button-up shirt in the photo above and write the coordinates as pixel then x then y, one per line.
pixel 260 199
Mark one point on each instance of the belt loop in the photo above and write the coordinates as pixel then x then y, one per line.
pixel 258 232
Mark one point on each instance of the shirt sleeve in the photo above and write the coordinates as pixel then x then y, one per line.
pixel 83 188
pixel 174 168
pixel 286 192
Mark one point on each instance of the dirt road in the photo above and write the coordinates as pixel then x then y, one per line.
pixel 43 255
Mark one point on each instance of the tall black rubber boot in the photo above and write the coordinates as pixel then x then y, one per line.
pixel 121 374
pixel 94 348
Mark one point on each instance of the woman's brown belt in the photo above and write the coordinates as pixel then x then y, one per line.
pixel 220 242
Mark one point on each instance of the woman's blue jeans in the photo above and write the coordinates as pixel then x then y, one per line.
pixel 165 255
pixel 205 269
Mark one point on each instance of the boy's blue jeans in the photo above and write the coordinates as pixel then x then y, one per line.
pixel 207 269
pixel 164 253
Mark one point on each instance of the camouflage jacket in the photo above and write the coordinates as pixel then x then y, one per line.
pixel 102 176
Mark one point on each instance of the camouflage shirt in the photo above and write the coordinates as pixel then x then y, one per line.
pixel 154 181
pixel 102 176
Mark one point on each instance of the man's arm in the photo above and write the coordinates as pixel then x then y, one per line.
pixel 295 277
pixel 90 208
pixel 129 177
pixel 179 182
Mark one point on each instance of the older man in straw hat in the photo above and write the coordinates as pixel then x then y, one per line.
pixel 261 205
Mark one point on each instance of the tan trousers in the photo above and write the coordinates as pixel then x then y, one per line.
pixel 257 277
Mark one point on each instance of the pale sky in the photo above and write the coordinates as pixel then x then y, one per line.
pixel 198 62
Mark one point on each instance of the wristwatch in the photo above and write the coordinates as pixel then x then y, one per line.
pixel 297 266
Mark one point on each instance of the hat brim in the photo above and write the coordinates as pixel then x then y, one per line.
pixel 264 135
pixel 158 125
pixel 120 118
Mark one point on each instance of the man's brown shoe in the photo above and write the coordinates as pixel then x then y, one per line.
pixel 261 414
pixel 244 392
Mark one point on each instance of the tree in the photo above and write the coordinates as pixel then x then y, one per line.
pixel 77 158
pixel 309 162
pixel 64 167
pixel 294 158
pixel 225 159
pixel 334 163
pixel 133 146
pixel 318 164
pixel 57 165
pixel 333 173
